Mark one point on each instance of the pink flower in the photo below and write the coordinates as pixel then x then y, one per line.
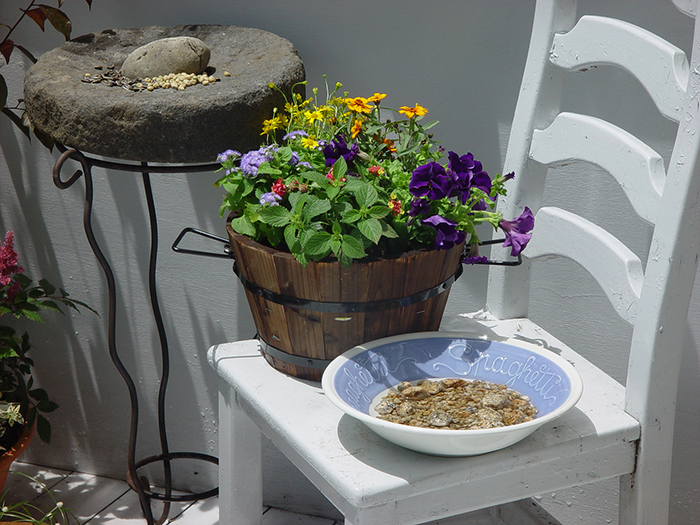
pixel 8 260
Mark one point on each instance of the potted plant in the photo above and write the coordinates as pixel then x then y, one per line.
pixel 345 214
pixel 21 401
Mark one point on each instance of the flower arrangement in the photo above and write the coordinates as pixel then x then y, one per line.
pixel 20 400
pixel 349 179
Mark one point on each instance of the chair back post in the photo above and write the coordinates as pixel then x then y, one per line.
pixel 660 327
pixel 509 288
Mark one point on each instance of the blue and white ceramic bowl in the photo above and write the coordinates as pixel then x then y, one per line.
pixel 357 378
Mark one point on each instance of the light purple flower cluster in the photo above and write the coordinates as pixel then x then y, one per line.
pixel 251 161
pixel 270 199
pixel 223 157
pixel 295 134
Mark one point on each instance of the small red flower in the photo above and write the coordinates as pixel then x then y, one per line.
pixel 376 170
pixel 396 207
pixel 279 188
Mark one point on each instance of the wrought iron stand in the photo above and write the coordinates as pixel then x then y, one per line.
pixel 138 484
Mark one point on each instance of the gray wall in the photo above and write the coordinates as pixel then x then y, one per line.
pixel 463 61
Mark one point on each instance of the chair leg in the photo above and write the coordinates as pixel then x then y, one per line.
pixel 639 505
pixel 240 460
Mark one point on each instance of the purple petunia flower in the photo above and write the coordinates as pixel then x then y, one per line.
pixel 478 259
pixel 467 173
pixel 430 180
pixel 270 199
pixel 338 147
pixel 252 160
pixel 517 231
pixel 419 207
pixel 447 233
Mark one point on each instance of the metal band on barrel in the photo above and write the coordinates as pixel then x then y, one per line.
pixel 347 307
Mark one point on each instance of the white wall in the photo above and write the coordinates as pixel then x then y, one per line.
pixel 463 61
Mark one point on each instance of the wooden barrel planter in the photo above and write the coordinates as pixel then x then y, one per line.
pixel 306 316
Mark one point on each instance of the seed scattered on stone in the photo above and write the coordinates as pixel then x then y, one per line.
pixel 176 81
pixel 227 74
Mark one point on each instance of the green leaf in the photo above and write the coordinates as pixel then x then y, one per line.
pixel 47 286
pixel 340 169
pixel 32 315
pixel 3 92
pixel 284 154
pixel 319 244
pixel 379 212
pixel 291 238
pixel 43 428
pixel 333 191
pixel 371 228
pixel 39 394
pixel 26 53
pixel 243 225
pixel 351 216
pixel 266 169
pixel 275 215
pixel 315 208
pixel 352 248
pixel 388 231
pixel 58 19
pixel 314 176
pixel 366 195
pixel 47 406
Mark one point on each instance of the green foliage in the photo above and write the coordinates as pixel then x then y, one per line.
pixel 32 512
pixel 20 401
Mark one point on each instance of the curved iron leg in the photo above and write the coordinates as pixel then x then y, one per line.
pixel 111 339
pixel 165 354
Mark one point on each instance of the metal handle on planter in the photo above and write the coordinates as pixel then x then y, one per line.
pixel 227 246
pixel 229 255
pixel 497 263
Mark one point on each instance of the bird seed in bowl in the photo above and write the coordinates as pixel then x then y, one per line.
pixel 455 404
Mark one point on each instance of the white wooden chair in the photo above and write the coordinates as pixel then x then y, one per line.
pixel 614 431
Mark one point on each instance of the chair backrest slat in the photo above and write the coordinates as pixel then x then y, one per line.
pixel 615 267
pixel 659 66
pixel 637 168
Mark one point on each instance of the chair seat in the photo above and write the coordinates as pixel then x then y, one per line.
pixel 373 481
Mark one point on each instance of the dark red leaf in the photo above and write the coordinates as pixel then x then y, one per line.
pixel 37 14
pixel 6 49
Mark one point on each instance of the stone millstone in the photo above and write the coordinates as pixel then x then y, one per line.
pixel 180 54
pixel 164 125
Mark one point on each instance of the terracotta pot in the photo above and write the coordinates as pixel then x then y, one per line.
pixel 13 453
pixel 310 315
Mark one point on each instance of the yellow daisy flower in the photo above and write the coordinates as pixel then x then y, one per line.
pixel 412 112
pixel 309 142
pixel 358 105
pixel 376 98
pixel 356 128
